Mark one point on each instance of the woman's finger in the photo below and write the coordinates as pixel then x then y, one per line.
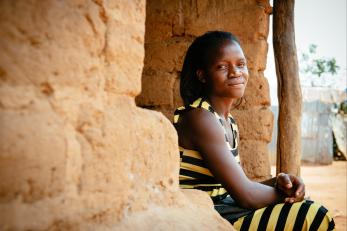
pixel 300 191
pixel 299 185
pixel 289 200
pixel 293 199
pixel 284 181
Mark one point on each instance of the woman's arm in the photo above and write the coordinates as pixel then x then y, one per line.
pixel 270 182
pixel 204 133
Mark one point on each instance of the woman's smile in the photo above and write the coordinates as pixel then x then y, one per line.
pixel 236 82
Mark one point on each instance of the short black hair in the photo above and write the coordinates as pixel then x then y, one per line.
pixel 197 57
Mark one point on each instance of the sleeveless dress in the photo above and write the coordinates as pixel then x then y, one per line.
pixel 194 174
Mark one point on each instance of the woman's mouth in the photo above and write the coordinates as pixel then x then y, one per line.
pixel 235 82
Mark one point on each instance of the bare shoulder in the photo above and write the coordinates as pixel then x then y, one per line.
pixel 197 126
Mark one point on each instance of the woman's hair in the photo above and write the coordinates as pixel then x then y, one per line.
pixel 198 56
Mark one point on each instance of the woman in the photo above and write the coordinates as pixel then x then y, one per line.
pixel 213 78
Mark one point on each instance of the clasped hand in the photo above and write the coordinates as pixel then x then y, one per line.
pixel 291 186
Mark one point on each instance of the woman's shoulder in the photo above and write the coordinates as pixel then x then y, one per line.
pixel 199 109
pixel 194 117
pixel 198 125
pixel 194 114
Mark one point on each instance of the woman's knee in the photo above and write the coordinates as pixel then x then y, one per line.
pixel 318 217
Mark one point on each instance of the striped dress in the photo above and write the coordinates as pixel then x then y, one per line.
pixel 194 174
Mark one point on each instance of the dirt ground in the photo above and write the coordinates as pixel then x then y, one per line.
pixel 328 186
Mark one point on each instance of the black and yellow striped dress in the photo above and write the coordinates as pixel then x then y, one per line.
pixel 305 215
pixel 193 172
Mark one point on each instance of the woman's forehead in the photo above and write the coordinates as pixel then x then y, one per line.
pixel 230 47
pixel 228 50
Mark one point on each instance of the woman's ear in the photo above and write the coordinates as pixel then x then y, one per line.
pixel 201 75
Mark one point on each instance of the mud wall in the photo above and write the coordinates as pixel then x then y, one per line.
pixel 76 153
pixel 171 26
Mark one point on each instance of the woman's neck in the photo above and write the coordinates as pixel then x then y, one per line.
pixel 221 105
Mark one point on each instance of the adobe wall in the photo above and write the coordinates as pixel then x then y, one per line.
pixel 75 151
pixel 171 26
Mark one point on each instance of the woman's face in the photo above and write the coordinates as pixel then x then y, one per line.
pixel 227 74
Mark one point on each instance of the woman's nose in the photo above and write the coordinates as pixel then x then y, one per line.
pixel 235 72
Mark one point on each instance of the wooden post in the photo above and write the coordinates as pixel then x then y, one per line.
pixel 289 90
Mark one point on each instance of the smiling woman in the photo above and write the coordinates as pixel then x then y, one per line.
pixel 214 76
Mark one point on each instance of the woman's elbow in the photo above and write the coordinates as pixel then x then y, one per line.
pixel 249 199
pixel 249 202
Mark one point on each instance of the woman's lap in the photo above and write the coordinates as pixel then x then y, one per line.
pixel 305 215
pixel 229 210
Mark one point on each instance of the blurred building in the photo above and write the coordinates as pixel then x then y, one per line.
pixel 318 116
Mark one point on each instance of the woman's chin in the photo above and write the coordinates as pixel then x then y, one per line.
pixel 237 94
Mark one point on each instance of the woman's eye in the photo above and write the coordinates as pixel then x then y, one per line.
pixel 242 65
pixel 223 67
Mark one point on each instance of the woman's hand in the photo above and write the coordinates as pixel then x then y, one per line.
pixel 291 186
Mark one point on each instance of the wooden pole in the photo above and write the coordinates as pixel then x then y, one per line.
pixel 289 90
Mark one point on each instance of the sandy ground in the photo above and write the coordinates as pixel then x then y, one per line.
pixel 328 186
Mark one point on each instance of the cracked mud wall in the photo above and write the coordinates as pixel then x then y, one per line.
pixel 171 26
pixel 75 151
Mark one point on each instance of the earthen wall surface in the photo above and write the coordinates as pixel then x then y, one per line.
pixel 76 153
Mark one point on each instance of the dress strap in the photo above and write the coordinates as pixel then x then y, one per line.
pixel 203 103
